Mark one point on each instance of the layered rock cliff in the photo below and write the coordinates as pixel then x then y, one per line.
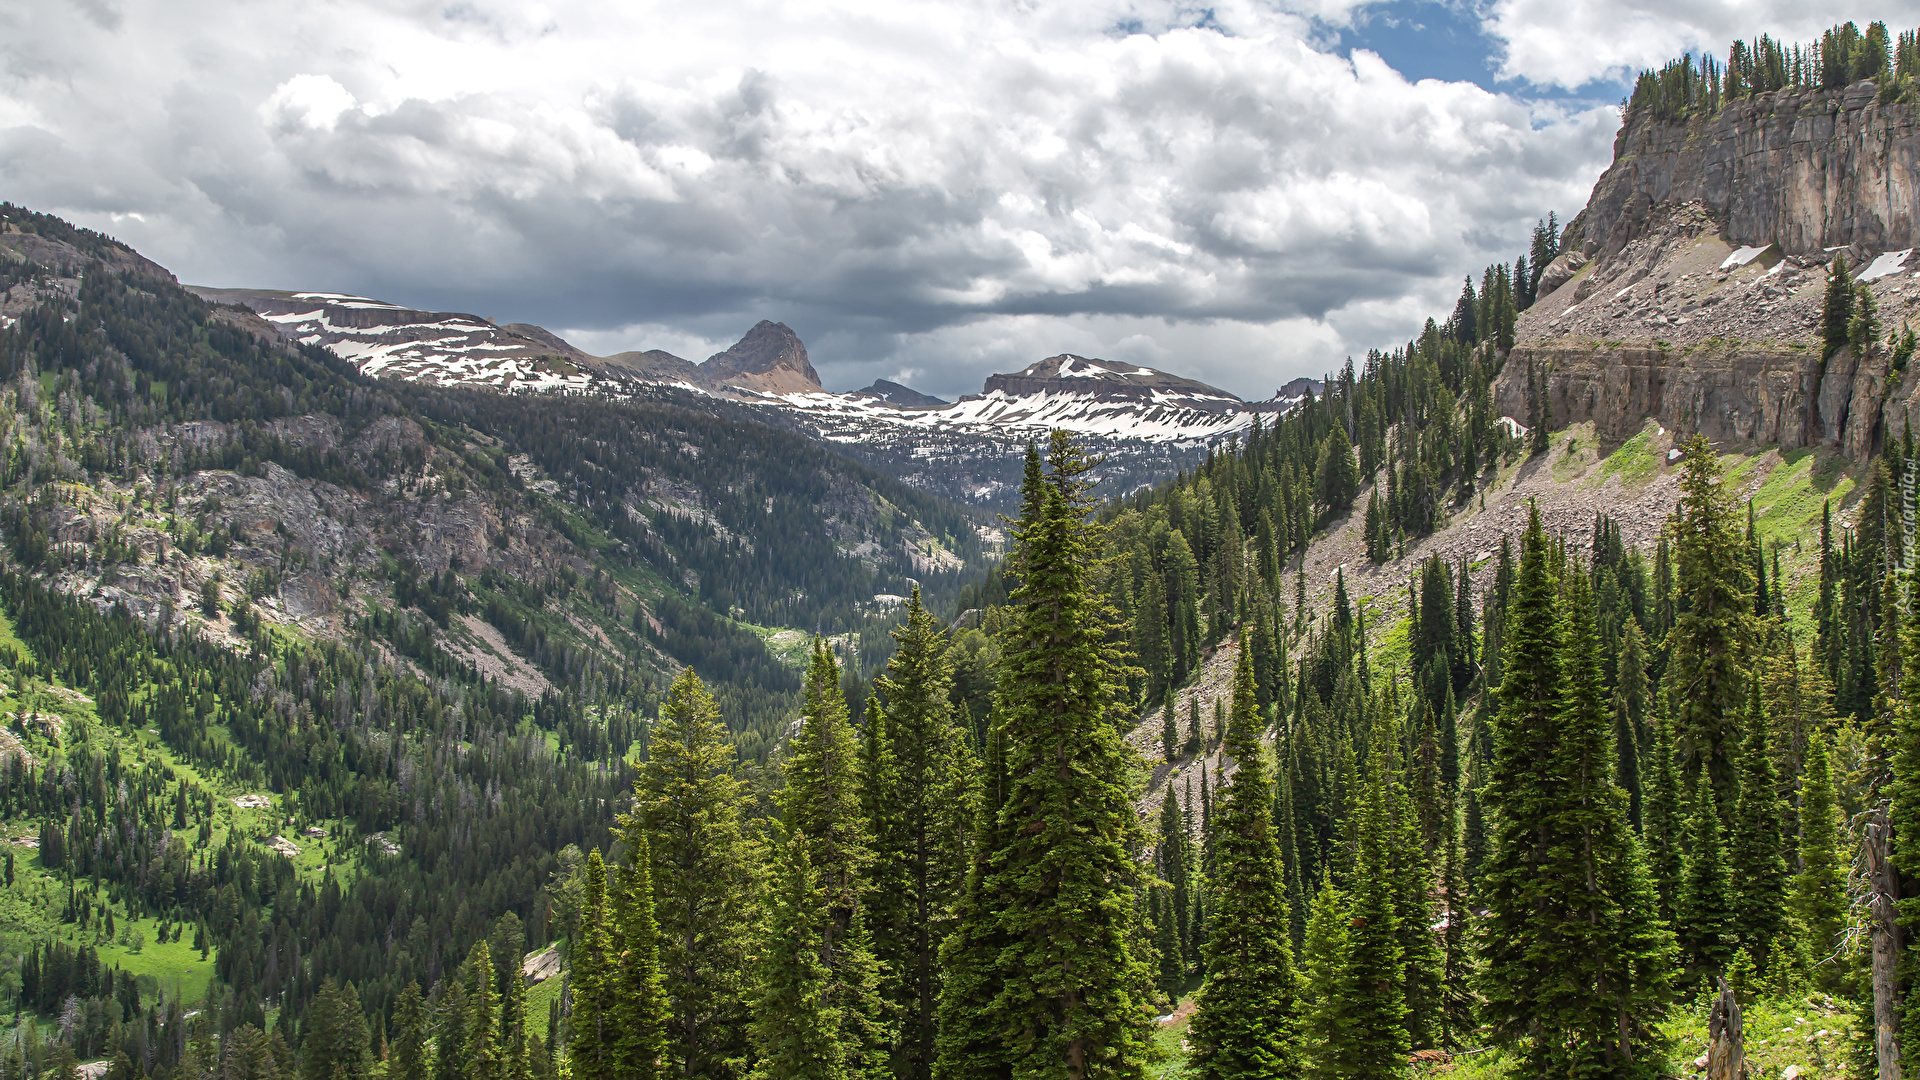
pixel 1807 170
pixel 1689 289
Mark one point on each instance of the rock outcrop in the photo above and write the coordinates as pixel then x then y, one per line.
pixel 770 359
pixel 1805 169
pixel 1689 289
pixel 1731 393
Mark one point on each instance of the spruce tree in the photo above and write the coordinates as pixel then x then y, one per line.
pixel 335 1043
pixel 1710 633
pixel 920 832
pixel 1820 889
pixel 1071 993
pixel 639 996
pixel 1375 1043
pixel 410 1044
pixel 1707 924
pixel 820 808
pixel 1174 855
pixel 1836 312
pixel 1244 1027
pixel 687 806
pixel 595 1023
pixel 1575 957
pixel 1665 824
pixel 484 1057
pixel 799 1027
pixel 1759 872
pixel 1324 972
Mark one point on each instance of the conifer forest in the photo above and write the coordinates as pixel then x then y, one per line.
pixel 1120 785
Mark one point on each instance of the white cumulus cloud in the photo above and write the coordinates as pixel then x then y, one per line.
pixel 946 187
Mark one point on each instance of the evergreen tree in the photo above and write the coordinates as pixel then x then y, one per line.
pixel 799 1027
pixel 1175 865
pixel 1169 733
pixel 1575 958
pixel 1336 478
pixel 483 1060
pixel 1665 825
pixel 1374 1044
pixel 410 1045
pixel 1151 645
pixel 1244 1025
pixel 1820 889
pixel 1324 973
pixel 639 995
pixel 1836 312
pixel 820 808
pixel 1708 927
pixel 1710 632
pixel 687 806
pixel 1071 994
pixel 1759 873
pixel 920 831
pixel 335 1043
pixel 1183 609
pixel 595 1020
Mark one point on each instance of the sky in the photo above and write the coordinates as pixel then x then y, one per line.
pixel 927 191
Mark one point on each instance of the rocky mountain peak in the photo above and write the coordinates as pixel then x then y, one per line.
pixel 894 393
pixel 1110 380
pixel 770 358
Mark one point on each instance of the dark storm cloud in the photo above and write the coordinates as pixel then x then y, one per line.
pixel 927 190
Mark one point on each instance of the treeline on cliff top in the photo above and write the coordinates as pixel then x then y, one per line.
pixel 1841 56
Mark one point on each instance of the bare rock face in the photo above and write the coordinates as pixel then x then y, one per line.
pixel 1689 289
pixel 770 358
pixel 1803 169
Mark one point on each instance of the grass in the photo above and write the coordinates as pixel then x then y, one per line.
pixel 1636 461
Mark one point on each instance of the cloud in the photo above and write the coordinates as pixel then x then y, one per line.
pixel 1570 43
pixel 941 187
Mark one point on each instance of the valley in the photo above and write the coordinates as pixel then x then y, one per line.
pixel 395 693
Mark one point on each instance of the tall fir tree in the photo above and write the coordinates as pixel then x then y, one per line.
pixel 799 1029
pixel 1323 982
pixel 1071 993
pixel 334 1046
pixel 595 1023
pixel 639 1049
pixel 1244 1026
pixel 410 1047
pixel 1707 925
pixel 1820 889
pixel 1712 628
pixel 484 1057
pixel 821 810
pixel 1759 871
pixel 1575 957
pixel 920 832
pixel 687 804
pixel 1375 1043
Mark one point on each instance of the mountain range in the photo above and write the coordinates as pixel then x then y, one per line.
pixel 768 366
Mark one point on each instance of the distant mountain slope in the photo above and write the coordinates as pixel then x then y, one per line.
pixel 768 366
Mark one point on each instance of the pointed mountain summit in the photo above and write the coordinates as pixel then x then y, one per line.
pixel 770 359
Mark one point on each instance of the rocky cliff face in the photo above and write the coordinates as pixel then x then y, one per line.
pixel 1689 289
pixel 1807 170
pixel 769 359
pixel 1731 393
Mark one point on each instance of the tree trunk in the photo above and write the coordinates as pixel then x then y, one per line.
pixel 1886 944
pixel 1726 1048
